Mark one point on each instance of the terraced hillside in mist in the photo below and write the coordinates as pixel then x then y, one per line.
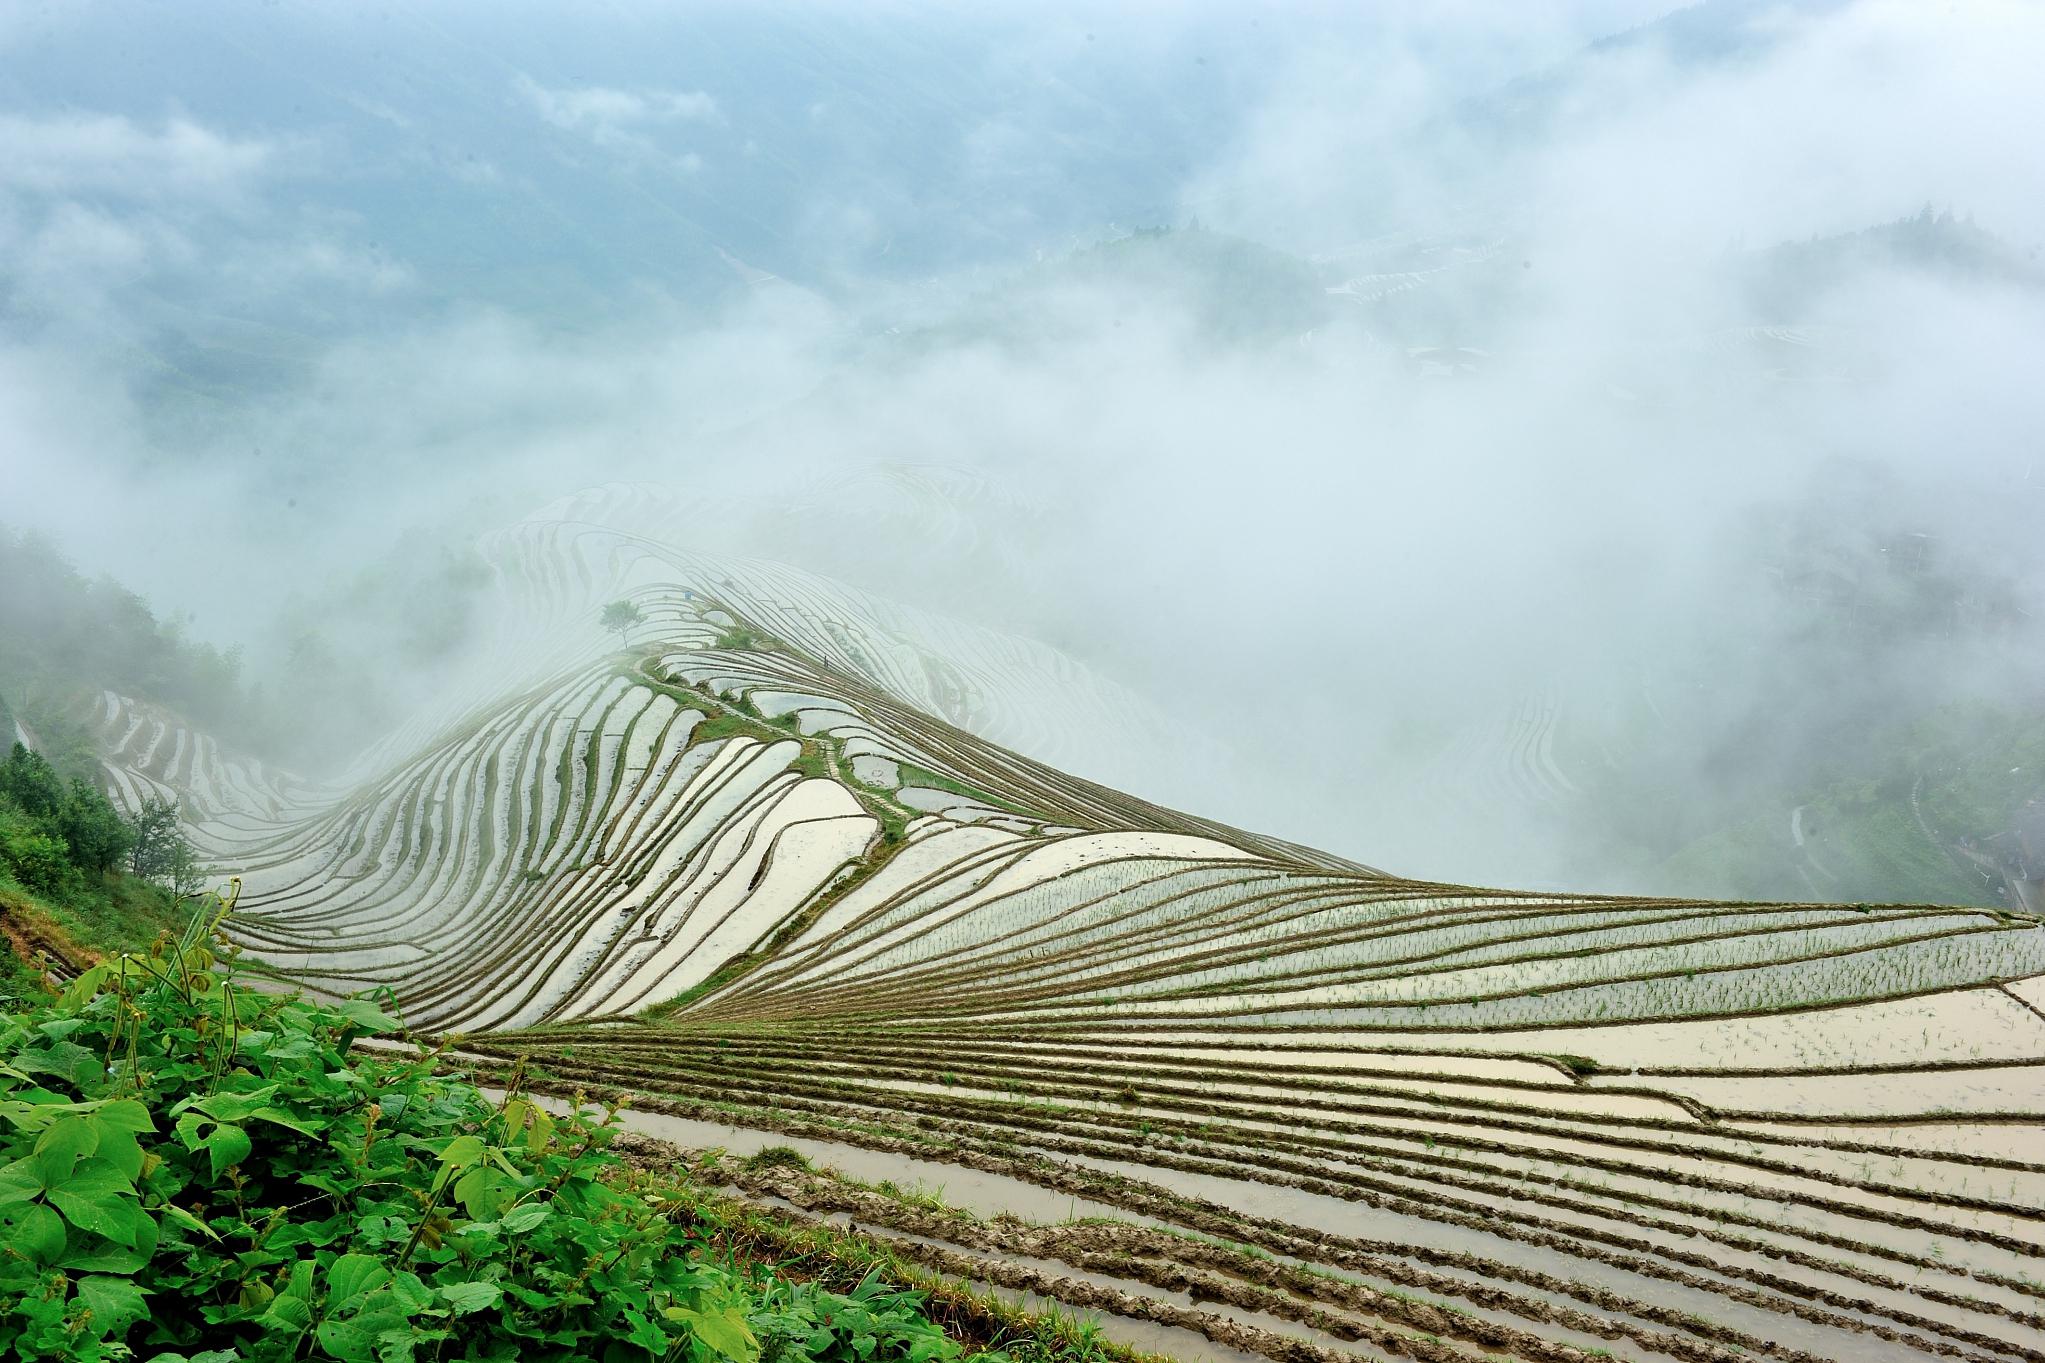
pixel 773 861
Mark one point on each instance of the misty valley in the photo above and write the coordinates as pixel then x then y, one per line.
pixel 1089 683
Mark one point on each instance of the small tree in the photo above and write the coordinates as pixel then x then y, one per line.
pixel 186 876
pixel 157 838
pixel 31 783
pixel 623 617
pixel 99 838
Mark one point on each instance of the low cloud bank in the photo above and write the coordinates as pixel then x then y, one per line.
pixel 1519 420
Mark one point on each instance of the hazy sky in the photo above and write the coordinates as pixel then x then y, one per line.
pixel 278 283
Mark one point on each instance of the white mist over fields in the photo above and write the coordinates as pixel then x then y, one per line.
pixel 1523 418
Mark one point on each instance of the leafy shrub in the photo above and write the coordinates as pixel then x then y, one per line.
pixel 94 836
pixel 194 1170
pixel 33 859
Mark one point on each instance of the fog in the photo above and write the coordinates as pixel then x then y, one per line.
pixel 1663 382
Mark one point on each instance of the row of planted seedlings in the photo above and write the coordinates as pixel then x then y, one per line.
pixel 435 855
pixel 1236 1295
pixel 1014 949
pixel 1080 1008
pixel 147 754
pixel 264 844
pixel 507 887
pixel 1256 1159
pixel 1102 896
pixel 1000 1148
pixel 571 790
pixel 979 768
pixel 1241 1277
pixel 659 865
pixel 1929 963
pixel 1753 960
pixel 908 657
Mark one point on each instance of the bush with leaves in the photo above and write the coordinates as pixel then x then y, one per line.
pixel 160 851
pixel 193 1170
pixel 37 803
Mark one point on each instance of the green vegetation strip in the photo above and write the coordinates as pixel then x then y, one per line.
pixel 195 1170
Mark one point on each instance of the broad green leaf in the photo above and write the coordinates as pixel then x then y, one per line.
pixel 724 1332
pixel 116 1303
pixel 645 1334
pixel 30 1117
pixel 411 1293
pixel 98 1198
pixel 67 1060
pixel 124 1114
pixel 39 1232
pixel 298 1283
pixel 483 1191
pixel 106 1257
pixel 367 1015
pixel 522 1219
pixel 355 1275
pixel 61 1146
pixel 288 1313
pixel 20 1181
pixel 467 1298
pixel 346 1340
pixel 539 1131
pixel 288 1047
pixel 232 1107
pixel 226 1146
pixel 190 1222
pixel 120 1220
pixel 462 1151
pixel 118 1148
pixel 303 1125
pixel 82 989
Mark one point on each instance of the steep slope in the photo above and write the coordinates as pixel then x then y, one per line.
pixel 780 862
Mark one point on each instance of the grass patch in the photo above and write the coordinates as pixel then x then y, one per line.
pixel 914 775
pixel 779 1157
pixel 1581 1066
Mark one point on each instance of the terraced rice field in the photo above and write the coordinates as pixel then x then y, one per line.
pixel 778 868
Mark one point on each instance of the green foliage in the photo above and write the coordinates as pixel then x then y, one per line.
pixel 30 784
pixel 195 1170
pixel 161 852
pixel 803 1321
pixel 34 859
pixel 777 1157
pixel 718 727
pixel 1579 1065
pixel 53 833
pixel 738 637
pixel 914 775
pixel 621 617
pixel 61 846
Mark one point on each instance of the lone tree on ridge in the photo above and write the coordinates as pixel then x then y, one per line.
pixel 621 616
